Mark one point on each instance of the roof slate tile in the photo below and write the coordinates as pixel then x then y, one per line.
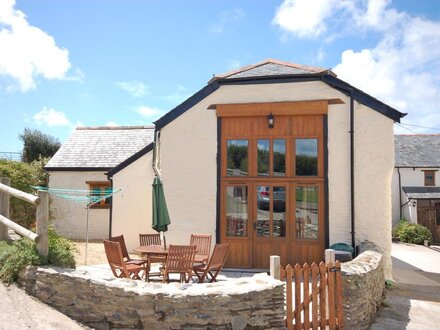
pixel 101 147
pixel 417 150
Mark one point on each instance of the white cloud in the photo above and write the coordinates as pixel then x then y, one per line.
pixel 305 18
pixel 111 123
pixel 51 117
pixel 27 51
pixel 402 69
pixel 181 93
pixel 135 88
pixel 234 64
pixel 148 112
pixel 225 18
pixel 77 75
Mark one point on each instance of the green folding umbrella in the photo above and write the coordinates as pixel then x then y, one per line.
pixel 161 219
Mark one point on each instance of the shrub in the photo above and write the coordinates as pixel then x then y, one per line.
pixel 22 253
pixel 61 250
pixel 13 257
pixel 23 176
pixel 412 232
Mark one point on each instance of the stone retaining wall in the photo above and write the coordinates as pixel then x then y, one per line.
pixel 363 284
pixel 104 302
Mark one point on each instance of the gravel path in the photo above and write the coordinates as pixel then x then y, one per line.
pixel 21 311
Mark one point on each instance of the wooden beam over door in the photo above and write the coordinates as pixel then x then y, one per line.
pixel 317 107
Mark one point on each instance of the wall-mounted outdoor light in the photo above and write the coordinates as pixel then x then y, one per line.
pixel 270 120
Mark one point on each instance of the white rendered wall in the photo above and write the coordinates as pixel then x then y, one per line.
pixel 132 207
pixel 374 164
pixel 188 164
pixel 68 217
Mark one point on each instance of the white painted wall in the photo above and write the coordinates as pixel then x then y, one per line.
pixel 374 164
pixel 68 217
pixel 188 164
pixel 132 206
pixel 410 177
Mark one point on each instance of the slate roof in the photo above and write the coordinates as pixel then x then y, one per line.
pixel 275 71
pixel 417 150
pixel 422 192
pixel 271 67
pixel 100 147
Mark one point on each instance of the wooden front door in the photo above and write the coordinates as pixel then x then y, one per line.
pixel 269 219
pixel 428 215
pixel 272 185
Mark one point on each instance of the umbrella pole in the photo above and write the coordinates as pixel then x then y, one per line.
pixel 87 235
pixel 164 240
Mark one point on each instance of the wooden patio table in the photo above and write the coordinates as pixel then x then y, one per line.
pixel 149 251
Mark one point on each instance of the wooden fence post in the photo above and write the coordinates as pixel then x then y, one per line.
pixel 330 255
pixel 43 223
pixel 4 208
pixel 275 267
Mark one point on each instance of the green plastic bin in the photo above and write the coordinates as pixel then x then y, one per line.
pixel 342 247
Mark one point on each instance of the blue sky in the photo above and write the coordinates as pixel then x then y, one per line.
pixel 88 63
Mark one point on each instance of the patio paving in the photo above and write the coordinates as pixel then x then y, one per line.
pixel 414 301
pixel 103 271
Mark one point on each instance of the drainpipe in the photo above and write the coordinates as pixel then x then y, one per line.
pixel 156 153
pixel 351 132
pixel 111 210
pixel 353 222
pixel 400 194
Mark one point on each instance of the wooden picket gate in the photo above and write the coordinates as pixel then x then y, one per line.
pixel 315 302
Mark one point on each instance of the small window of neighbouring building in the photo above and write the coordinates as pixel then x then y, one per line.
pixel 100 189
pixel 429 178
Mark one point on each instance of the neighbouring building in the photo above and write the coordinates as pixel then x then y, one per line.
pixel 274 158
pixel 82 164
pixel 416 181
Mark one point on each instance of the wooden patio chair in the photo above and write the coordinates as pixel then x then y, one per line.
pixel 214 265
pixel 152 239
pixel 203 243
pixel 119 267
pixel 120 239
pixel 180 260
pixel 149 239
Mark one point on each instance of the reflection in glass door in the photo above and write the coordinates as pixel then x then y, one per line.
pixel 269 214
pixel 236 211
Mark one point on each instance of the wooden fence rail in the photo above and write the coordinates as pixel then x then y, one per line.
pixel 314 296
pixel 42 215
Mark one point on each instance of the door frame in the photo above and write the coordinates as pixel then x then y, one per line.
pixel 324 187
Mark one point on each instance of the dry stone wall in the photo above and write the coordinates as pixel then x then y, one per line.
pixel 363 285
pixel 104 302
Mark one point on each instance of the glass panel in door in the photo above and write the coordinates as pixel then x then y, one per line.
pixel 306 212
pixel 279 212
pixel 263 211
pixel 237 211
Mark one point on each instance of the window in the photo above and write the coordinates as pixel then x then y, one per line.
pixel 429 178
pixel 263 157
pixel 237 153
pixel 306 160
pixel 98 191
pixel 279 157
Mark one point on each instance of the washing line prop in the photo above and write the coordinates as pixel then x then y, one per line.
pixel 84 197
